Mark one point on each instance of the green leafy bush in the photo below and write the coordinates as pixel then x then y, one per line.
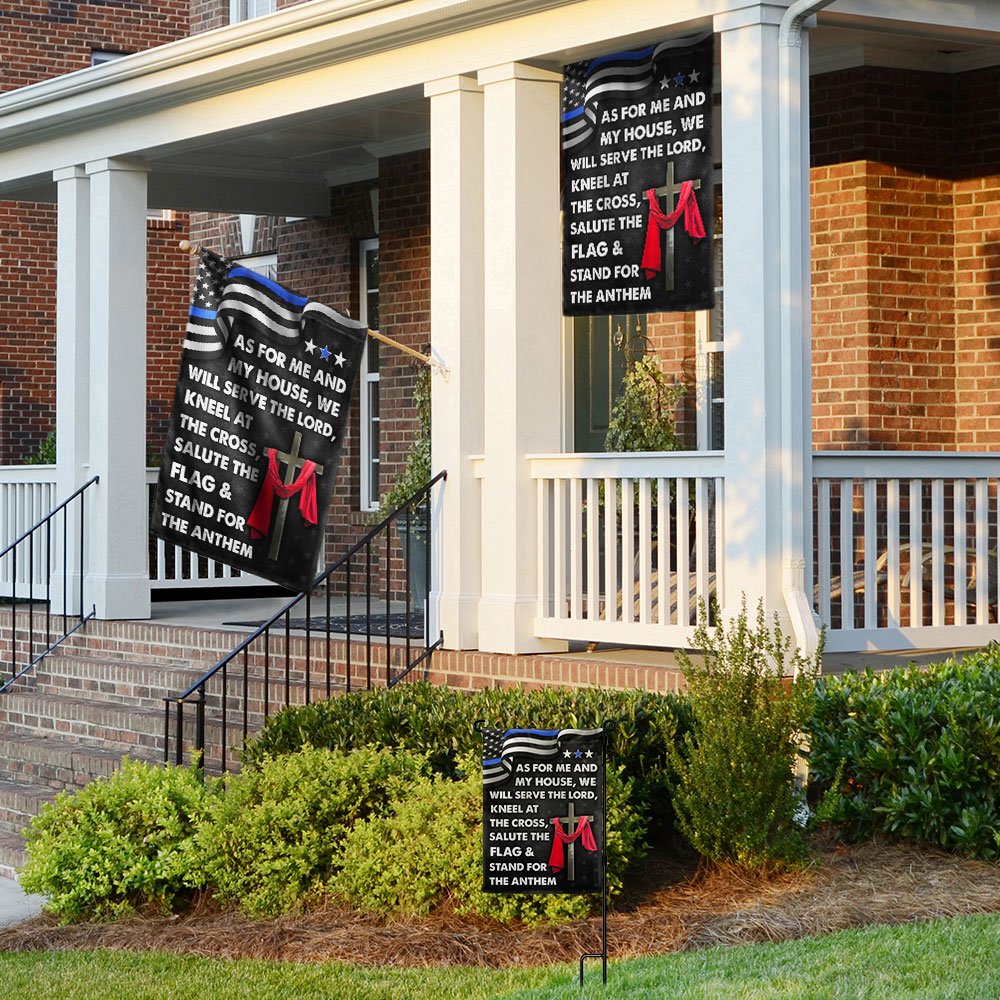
pixel 118 843
pixel 46 453
pixel 737 798
pixel 430 720
pixel 273 840
pixel 917 751
pixel 438 722
pixel 429 850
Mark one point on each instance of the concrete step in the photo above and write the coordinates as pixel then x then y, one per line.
pixel 124 682
pixel 12 853
pixel 53 762
pixel 19 802
pixel 116 727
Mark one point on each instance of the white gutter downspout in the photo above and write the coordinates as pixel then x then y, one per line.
pixel 796 347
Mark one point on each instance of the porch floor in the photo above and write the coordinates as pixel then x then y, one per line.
pixel 219 614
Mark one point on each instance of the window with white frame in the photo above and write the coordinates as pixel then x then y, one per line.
pixel 98 57
pixel 244 10
pixel 265 264
pixel 368 298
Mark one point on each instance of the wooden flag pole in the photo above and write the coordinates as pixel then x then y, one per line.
pixel 194 249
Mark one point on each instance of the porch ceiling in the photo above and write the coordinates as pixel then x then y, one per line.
pixel 266 116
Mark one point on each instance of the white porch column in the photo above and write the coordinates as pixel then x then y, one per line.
pixel 796 320
pixel 118 581
pixel 765 377
pixel 72 370
pixel 523 312
pixel 457 246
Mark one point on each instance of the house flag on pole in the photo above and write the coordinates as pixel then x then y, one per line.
pixel 256 431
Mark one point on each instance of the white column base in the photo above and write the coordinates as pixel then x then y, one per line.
pixel 458 620
pixel 507 625
pixel 118 597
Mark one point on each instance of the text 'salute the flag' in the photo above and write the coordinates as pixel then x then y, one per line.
pixel 256 431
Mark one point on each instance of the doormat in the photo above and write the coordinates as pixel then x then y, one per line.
pixel 397 625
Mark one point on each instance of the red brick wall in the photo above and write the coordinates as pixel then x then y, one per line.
pixel 883 309
pixel 37 42
pixel 320 258
pixel 906 223
pixel 42 40
pixel 977 313
pixel 27 328
pixel 167 301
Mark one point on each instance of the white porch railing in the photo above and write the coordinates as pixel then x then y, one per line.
pixel 905 549
pixel 628 545
pixel 27 494
pixel 172 567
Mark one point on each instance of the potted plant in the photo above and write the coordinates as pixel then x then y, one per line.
pixel 415 475
pixel 643 419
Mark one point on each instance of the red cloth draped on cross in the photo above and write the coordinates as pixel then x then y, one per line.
pixel 583 833
pixel 687 205
pixel 259 521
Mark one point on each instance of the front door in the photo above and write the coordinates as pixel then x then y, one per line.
pixel 602 346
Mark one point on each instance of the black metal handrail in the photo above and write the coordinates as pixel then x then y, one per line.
pixel 250 696
pixel 48 524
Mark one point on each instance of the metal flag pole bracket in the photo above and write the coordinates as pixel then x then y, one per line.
pixel 192 248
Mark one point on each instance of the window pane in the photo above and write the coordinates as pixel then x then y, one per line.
pixel 716 401
pixel 373 440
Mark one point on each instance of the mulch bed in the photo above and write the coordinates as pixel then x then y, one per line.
pixel 680 908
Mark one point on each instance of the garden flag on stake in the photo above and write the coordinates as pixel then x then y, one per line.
pixel 259 417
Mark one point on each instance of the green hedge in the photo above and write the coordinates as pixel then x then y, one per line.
pixel 439 723
pixel 913 753
pixel 429 851
pixel 273 840
pixel 118 843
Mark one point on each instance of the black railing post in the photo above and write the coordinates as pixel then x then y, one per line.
pixel 327 585
pixel 347 637
pixel 166 730
pixel 225 711
pixel 406 575
pixel 180 731
pixel 308 646
pixel 82 529
pixel 427 572
pixel 199 727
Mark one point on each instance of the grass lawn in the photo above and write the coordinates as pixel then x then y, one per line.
pixel 933 961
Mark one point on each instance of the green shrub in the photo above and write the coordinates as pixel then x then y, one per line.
pixel 918 752
pixel 439 723
pixel 429 720
pixel 118 843
pixel 272 841
pixel 737 798
pixel 46 453
pixel 430 850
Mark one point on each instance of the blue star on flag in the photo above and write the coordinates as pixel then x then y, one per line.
pixel 679 79
pixel 324 353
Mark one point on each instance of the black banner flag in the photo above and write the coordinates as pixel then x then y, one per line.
pixel 543 810
pixel 637 181
pixel 259 415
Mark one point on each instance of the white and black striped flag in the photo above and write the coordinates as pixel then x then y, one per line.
pixel 637 180
pixel 259 416
pixel 500 747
